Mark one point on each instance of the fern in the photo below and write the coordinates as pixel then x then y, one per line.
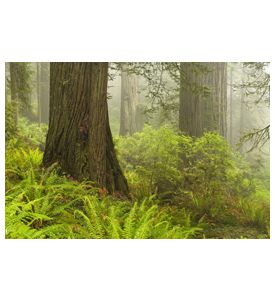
pixel 40 203
pixel 129 223
pixel 115 230
pixel 145 225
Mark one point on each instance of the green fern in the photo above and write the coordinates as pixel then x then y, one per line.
pixel 40 203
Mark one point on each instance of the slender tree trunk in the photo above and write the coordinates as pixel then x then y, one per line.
pixel 231 108
pixel 242 112
pixel 129 111
pixel 13 90
pixel 203 98
pixel 44 91
pixel 38 92
pixel 79 136
pixel 7 78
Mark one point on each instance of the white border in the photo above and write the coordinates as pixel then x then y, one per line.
pixel 136 31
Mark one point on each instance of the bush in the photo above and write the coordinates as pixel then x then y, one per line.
pixel 162 161
pixel 20 161
pixel 154 155
pixel 213 170
pixel 10 122
pixel 203 175
pixel 33 134
pixel 255 212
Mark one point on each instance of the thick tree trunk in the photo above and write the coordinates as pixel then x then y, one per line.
pixel 79 136
pixel 203 98
pixel 129 111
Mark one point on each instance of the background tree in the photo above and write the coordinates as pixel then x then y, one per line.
pixel 38 91
pixel 230 134
pixel 203 98
pixel 20 89
pixel 129 109
pixel 79 136
pixel 43 81
pixel 257 87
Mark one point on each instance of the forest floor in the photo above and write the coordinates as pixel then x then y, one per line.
pixel 216 195
pixel 234 232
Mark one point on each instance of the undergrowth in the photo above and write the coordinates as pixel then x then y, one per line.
pixel 203 176
pixel 41 203
pixel 181 188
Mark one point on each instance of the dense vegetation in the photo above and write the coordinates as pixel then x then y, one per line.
pixel 181 187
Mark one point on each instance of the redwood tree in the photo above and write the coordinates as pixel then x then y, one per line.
pixel 44 92
pixel 129 109
pixel 42 85
pixel 20 89
pixel 79 136
pixel 203 98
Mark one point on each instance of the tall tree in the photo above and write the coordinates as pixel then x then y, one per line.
pixel 242 120
pixel 231 107
pixel 7 80
pixel 257 86
pixel 44 91
pixel 38 91
pixel 43 82
pixel 129 109
pixel 20 88
pixel 203 98
pixel 79 135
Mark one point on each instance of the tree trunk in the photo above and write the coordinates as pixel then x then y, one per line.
pixel 38 91
pixel 79 136
pixel 7 79
pixel 13 90
pixel 20 84
pixel 242 111
pixel 203 98
pixel 44 91
pixel 129 111
pixel 231 108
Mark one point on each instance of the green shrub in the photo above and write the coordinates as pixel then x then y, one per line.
pixel 203 175
pixel 153 155
pixel 10 121
pixel 20 162
pixel 32 133
pixel 213 170
pixel 255 213
pixel 162 161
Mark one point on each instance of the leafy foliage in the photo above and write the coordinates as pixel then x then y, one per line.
pixel 40 203
pixel 203 176
pixel 162 159
pixel 257 85
pixel 154 156
pixel 33 133
pixel 182 188
pixel 105 219
pixel 10 121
